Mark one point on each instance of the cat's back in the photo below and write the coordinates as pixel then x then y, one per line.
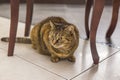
pixel 54 19
pixel 47 20
pixel 45 23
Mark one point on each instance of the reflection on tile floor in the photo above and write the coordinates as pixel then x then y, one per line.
pixel 39 67
pixel 106 70
pixel 14 68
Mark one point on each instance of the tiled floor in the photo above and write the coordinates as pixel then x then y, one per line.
pixel 107 70
pixel 27 64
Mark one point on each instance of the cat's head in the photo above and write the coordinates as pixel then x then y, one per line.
pixel 62 36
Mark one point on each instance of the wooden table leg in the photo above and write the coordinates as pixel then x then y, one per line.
pixel 87 13
pixel 28 16
pixel 13 26
pixel 114 19
pixel 97 12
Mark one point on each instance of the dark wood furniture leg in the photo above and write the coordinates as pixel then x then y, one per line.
pixel 96 15
pixel 114 19
pixel 28 16
pixel 13 26
pixel 87 14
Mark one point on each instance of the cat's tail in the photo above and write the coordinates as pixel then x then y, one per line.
pixel 18 40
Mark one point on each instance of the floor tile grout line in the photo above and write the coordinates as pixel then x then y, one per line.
pixel 109 56
pixel 95 65
pixel 35 64
pixel 82 72
pixel 40 67
pixel 60 75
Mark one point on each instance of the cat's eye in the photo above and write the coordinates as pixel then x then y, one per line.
pixel 67 39
pixel 57 41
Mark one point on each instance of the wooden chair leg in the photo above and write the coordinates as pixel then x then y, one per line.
pixel 114 19
pixel 96 15
pixel 87 13
pixel 13 26
pixel 28 16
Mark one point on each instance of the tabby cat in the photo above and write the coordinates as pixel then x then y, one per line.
pixel 55 37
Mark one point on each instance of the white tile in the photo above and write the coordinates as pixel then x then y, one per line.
pixel 14 68
pixel 106 70
pixel 63 68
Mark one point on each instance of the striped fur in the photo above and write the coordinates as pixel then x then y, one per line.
pixel 53 36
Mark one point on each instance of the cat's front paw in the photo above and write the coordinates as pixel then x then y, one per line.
pixel 55 59
pixel 71 59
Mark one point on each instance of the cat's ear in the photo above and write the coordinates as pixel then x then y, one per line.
pixel 71 28
pixel 52 24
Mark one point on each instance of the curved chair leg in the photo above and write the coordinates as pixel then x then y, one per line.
pixel 28 16
pixel 13 26
pixel 87 13
pixel 96 15
pixel 114 20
